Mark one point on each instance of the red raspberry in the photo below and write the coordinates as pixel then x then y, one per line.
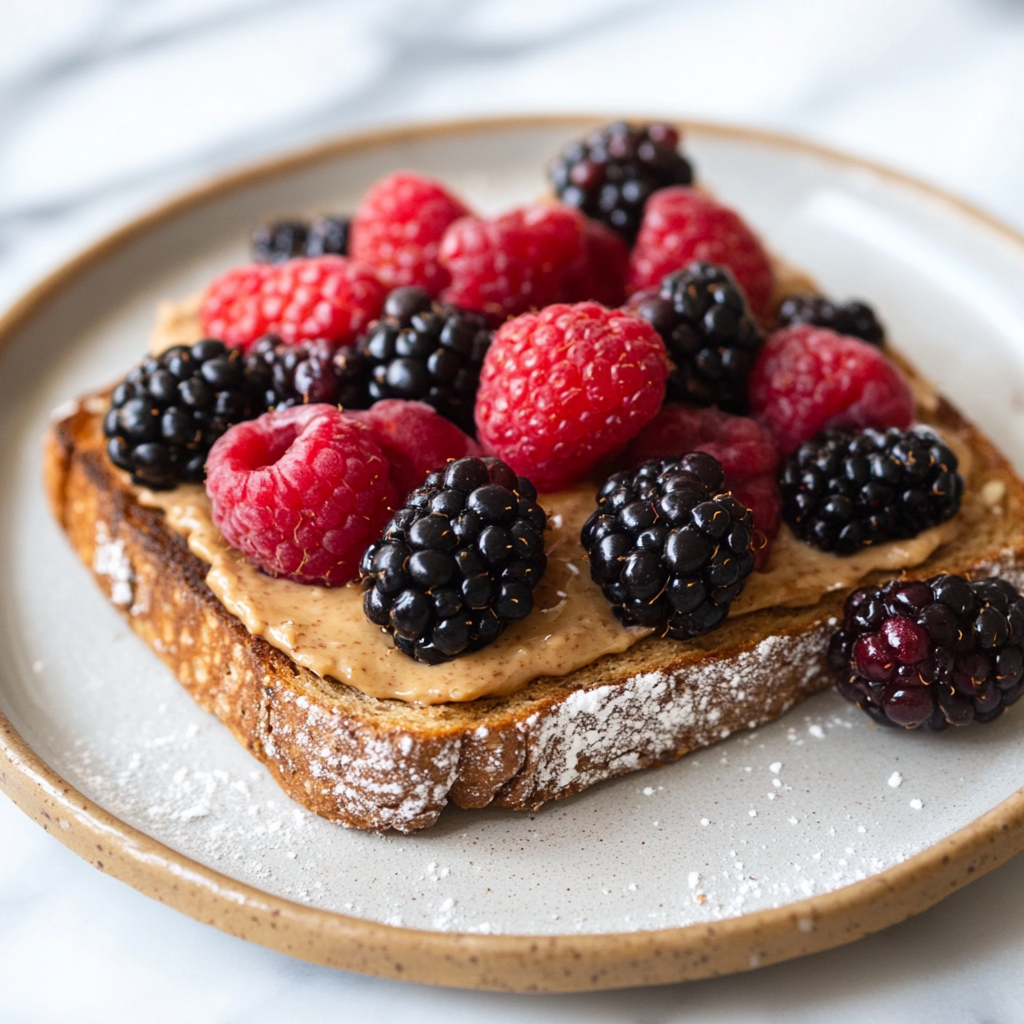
pixel 565 388
pixel 302 492
pixel 415 438
pixel 681 225
pixel 329 297
pixel 745 449
pixel 600 275
pixel 810 378
pixel 398 227
pixel 517 262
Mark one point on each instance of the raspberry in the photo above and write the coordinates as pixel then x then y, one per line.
pixel 600 274
pixel 564 388
pixel 301 492
pixel 744 448
pixel 681 225
pixel 810 378
pixel 398 228
pixel 514 263
pixel 415 438
pixel 330 297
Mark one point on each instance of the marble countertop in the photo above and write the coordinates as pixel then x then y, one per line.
pixel 107 106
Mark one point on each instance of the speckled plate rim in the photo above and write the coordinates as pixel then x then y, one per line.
pixel 516 963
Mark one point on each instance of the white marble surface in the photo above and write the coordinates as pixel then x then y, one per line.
pixel 107 106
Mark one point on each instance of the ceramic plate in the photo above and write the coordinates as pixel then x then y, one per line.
pixel 783 840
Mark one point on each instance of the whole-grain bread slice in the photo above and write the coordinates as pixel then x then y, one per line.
pixel 378 764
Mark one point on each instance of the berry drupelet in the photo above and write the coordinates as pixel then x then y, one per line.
pixel 611 173
pixel 710 335
pixel 669 551
pixel 287 239
pixel 941 652
pixel 854 319
pixel 842 491
pixel 306 373
pixel 458 563
pixel 422 350
pixel 168 411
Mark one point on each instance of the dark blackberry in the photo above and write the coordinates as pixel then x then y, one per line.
pixel 310 371
pixel 669 551
pixel 855 319
pixel 702 315
pixel 425 351
pixel 842 491
pixel 611 173
pixel 286 239
pixel 941 652
pixel 458 563
pixel 167 412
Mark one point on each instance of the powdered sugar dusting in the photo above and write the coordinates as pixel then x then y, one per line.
pixel 111 560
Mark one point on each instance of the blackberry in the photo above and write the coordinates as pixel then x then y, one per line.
pixel 286 239
pixel 669 551
pixel 168 411
pixel 610 174
pixel 309 371
pixel 458 563
pixel 426 351
pixel 703 318
pixel 842 491
pixel 936 653
pixel 854 319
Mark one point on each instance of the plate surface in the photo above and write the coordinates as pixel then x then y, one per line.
pixel 745 853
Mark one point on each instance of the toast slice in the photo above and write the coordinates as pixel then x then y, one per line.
pixel 379 764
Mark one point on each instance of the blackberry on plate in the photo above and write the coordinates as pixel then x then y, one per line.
pixel 168 411
pixel 842 491
pixel 703 318
pixel 936 653
pixel 286 239
pixel 669 551
pixel 458 563
pixel 307 372
pixel 424 351
pixel 610 174
pixel 854 319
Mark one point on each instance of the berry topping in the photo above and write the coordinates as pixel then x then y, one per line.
pixel 167 412
pixel 458 563
pixel 286 239
pixel 514 263
pixel 600 274
pixel 303 374
pixel 424 351
pixel 567 387
pixel 300 492
pixel 943 652
pixel 668 549
pixel 843 491
pixel 809 379
pixel 855 319
pixel 611 174
pixel 682 225
pixel 710 335
pixel 398 228
pixel 330 297
pixel 744 448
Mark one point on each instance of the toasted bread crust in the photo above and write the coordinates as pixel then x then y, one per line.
pixel 378 764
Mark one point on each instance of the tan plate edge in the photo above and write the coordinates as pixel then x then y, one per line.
pixel 496 962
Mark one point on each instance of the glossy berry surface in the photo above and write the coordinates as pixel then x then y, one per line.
pixel 808 379
pixel 305 373
pixel 612 173
pixel 945 651
pixel 854 319
pixel 167 412
pixel 301 492
pixel 842 491
pixel 564 388
pixel 458 562
pixel 682 225
pixel 287 239
pixel 600 274
pixel 669 550
pixel 702 316
pixel 398 228
pixel 329 297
